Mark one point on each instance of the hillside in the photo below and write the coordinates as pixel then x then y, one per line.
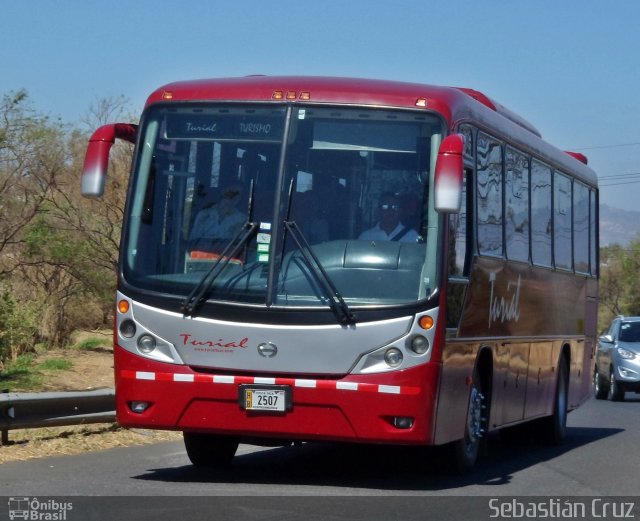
pixel 618 226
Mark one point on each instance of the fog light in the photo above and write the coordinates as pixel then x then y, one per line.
pixel 146 343
pixel 402 422
pixel 128 328
pixel 419 344
pixel 139 407
pixel 393 357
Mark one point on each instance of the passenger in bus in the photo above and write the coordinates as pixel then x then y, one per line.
pixel 389 226
pixel 218 223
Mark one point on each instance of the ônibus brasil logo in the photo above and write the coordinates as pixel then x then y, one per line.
pixel 38 510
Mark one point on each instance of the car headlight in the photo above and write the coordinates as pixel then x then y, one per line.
pixel 626 354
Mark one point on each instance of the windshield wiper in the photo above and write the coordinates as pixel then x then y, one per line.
pixel 199 293
pixel 338 305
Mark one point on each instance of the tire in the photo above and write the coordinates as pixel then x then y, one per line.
pixel 210 450
pixel 616 392
pixel 465 452
pixel 600 386
pixel 553 429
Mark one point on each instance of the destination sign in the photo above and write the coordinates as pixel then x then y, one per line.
pixel 201 126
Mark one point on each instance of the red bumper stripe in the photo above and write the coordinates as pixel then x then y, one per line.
pixel 293 382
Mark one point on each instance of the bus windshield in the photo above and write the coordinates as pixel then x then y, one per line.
pixel 284 205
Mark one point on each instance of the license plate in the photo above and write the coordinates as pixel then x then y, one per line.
pixel 267 398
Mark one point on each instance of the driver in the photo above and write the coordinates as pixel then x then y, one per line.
pixel 389 227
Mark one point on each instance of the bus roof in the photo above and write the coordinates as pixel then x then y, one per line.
pixel 456 105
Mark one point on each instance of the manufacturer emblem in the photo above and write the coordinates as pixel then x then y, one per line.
pixel 267 349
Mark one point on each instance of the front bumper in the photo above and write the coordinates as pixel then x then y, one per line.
pixel 358 408
pixel 628 373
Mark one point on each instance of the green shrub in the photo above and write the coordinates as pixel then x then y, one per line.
pixel 56 364
pixel 90 344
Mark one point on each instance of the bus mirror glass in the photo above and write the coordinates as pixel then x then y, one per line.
pixel 448 174
pixel 96 160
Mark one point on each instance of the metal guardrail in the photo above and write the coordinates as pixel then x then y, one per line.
pixel 53 409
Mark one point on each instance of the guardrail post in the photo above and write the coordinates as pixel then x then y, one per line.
pixel 4 434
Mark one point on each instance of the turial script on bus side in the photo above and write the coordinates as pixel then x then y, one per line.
pixel 504 307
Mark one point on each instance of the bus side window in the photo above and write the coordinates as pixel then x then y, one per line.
pixel 459 261
pixel 458 235
pixel 489 195
pixel 562 221
pixel 541 216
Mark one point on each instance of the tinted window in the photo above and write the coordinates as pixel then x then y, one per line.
pixel 562 221
pixel 629 332
pixel 540 214
pixel 458 235
pixel 489 195
pixel 516 205
pixel 593 225
pixel 469 149
pixel 581 227
pixel 458 223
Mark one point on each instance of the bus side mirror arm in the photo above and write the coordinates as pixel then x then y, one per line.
pixel 96 160
pixel 448 174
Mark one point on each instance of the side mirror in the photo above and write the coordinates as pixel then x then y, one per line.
pixel 448 174
pixel 607 339
pixel 96 160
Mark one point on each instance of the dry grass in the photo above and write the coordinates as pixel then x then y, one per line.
pixel 61 441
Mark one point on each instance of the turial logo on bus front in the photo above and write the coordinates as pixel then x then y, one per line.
pixel 506 307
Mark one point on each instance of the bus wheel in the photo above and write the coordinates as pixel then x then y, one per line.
pixel 599 386
pixel 554 428
pixel 210 450
pixel 466 450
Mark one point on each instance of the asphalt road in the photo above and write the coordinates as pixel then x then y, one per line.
pixel 600 458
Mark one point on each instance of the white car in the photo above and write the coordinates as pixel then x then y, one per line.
pixel 617 367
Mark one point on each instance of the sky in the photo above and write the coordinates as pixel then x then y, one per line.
pixel 570 67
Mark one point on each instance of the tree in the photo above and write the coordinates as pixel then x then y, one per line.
pixel 28 166
pixel 72 245
pixel 31 160
pixel 619 281
pixel 58 251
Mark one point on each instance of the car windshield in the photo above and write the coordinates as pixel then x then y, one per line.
pixel 338 196
pixel 630 332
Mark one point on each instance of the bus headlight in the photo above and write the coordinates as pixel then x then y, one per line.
pixel 146 344
pixel 419 344
pixel 128 328
pixel 393 357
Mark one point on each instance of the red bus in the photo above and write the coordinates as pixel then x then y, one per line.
pixel 310 258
